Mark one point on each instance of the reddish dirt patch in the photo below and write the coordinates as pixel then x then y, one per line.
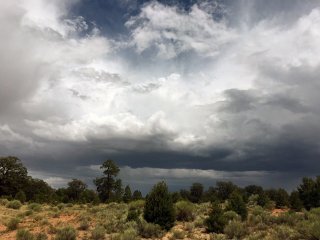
pixel 278 211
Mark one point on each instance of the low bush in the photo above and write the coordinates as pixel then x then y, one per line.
pixel 235 230
pixel 23 234
pixel 129 234
pixel 133 215
pixel 13 224
pixel 15 204
pixel 231 215
pixel 4 201
pixel 41 236
pixel 98 233
pixel 149 230
pixel 84 225
pixel 285 232
pixel 67 233
pixel 184 211
pixel 178 234
pixel 35 207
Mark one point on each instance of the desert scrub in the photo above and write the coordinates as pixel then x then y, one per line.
pixel 129 234
pixel 231 215
pixel 84 225
pixel 149 230
pixel 235 230
pixel 13 224
pixel 15 204
pixel 23 234
pixel 133 214
pixel 189 227
pixel 138 204
pixel 98 233
pixel 41 236
pixel 178 234
pixel 4 201
pixel 185 211
pixel 285 232
pixel 36 207
pixel 67 233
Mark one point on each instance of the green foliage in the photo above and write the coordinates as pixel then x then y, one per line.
pixel 149 230
pixel 35 207
pixel 23 234
pixel 185 211
pixel 41 236
pixel 137 195
pixel 75 188
pixel 196 192
pixel 127 196
pixel 236 204
pixel 129 234
pixel 159 207
pixel 133 214
pixel 216 221
pixel 279 196
pixel 4 201
pixel 13 224
pixel 231 216
pixel 309 192
pixel 98 233
pixel 235 230
pixel 67 233
pixel 21 196
pixel 15 204
pixel 225 189
pixel 84 225
pixel 107 185
pixel 295 201
pixel 13 175
pixel 89 196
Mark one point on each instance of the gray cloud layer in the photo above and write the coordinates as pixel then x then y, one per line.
pixel 183 89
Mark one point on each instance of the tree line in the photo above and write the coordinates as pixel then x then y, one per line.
pixel 15 183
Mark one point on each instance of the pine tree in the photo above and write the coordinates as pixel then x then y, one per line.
pixel 216 221
pixel 159 208
pixel 236 204
pixel 127 197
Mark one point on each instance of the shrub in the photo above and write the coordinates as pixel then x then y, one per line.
pixel 34 207
pixel 159 207
pixel 84 225
pixel 13 224
pixel 149 230
pixel 41 236
pixel 15 204
pixel 67 233
pixel 138 204
pixel 4 201
pixel 184 211
pixel 98 233
pixel 21 196
pixel 216 221
pixel 231 215
pixel 129 234
pixel 235 230
pixel 176 234
pixel 284 232
pixel 23 234
pixel 237 205
pixel 133 215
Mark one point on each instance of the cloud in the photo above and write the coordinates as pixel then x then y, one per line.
pixel 172 31
pixel 184 89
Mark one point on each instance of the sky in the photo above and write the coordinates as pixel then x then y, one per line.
pixel 182 91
